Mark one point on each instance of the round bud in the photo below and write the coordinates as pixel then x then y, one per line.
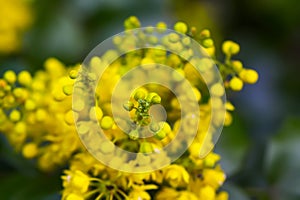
pixel 205 33
pixel 134 134
pixel 230 47
pixel 139 95
pixel 217 90
pixel 107 147
pixel 68 89
pixel 236 84
pixel 181 27
pixel 156 99
pixel 30 150
pixel 154 127
pixel 237 65
pixel 15 116
pixel 73 74
pixel 160 134
pixel 10 76
pixel 146 147
pixel 173 37
pixel 249 76
pixel 128 106
pixel 24 78
pixel 106 122
pixel 207 43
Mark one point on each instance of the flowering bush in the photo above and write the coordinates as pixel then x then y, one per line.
pixel 38 119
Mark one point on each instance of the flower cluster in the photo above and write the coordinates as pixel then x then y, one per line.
pixel 15 17
pixel 37 117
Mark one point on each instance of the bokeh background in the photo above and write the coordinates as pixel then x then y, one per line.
pixel 260 151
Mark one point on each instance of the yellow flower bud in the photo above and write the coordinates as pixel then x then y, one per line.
pixel 106 122
pixel 160 134
pixel 156 99
pixel 41 115
pixel 236 84
pixel 134 134
pixel 73 74
pixel 68 89
pixel 95 112
pixel 10 76
pixel 173 37
pixel 30 150
pixel 74 196
pixel 222 196
pixel 132 23
pixel 162 26
pixel 207 193
pixel 207 43
pixel 237 65
pixel 146 147
pixel 128 106
pixel 54 67
pixel 249 76
pixel 230 47
pixel 69 119
pixel 205 33
pixel 181 27
pixel 229 106
pixel 107 147
pixel 30 105
pixel 213 178
pixel 79 181
pixel 139 94
pixel 217 90
pixel 15 115
pixel 139 195
pixel 228 119
pixel 24 78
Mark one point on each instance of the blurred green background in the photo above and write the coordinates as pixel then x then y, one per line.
pixel 260 151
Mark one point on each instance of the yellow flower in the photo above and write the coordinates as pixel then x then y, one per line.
pixel 74 196
pixel 207 193
pixel 249 76
pixel 76 181
pixel 176 175
pixel 139 195
pixel 213 177
pixel 167 194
